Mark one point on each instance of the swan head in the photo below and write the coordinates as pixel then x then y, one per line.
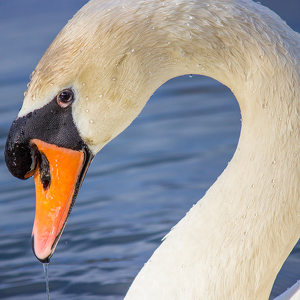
pixel 75 104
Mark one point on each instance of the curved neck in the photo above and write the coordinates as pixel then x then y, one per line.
pixel 248 222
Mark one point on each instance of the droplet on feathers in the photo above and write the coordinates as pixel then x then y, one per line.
pixel 32 74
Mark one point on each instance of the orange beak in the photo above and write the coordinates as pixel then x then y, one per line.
pixel 57 177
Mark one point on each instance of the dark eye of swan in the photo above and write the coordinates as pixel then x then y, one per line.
pixel 65 98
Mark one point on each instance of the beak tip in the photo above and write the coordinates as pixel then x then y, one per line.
pixel 46 258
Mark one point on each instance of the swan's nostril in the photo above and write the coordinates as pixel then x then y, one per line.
pixel 34 160
pixel 44 171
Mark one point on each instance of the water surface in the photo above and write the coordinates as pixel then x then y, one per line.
pixel 137 188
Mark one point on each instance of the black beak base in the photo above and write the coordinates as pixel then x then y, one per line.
pixel 51 124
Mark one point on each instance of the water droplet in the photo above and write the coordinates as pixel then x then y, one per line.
pixel 191 17
pixel 246 232
pixel 45 266
pixel 274 162
pixel 131 50
pixel 91 121
pixel 87 110
pixel 83 83
pixel 100 95
pixel 243 216
pixel 114 79
pixel 86 98
pixel 183 266
pixel 264 105
pixel 253 186
pixel 32 74
pixel 191 75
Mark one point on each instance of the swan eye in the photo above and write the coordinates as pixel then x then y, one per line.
pixel 65 98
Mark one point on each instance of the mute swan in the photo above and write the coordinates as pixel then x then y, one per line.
pixel 96 77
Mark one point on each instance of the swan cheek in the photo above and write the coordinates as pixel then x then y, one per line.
pixel 57 177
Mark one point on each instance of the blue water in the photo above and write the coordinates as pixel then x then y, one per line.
pixel 137 187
